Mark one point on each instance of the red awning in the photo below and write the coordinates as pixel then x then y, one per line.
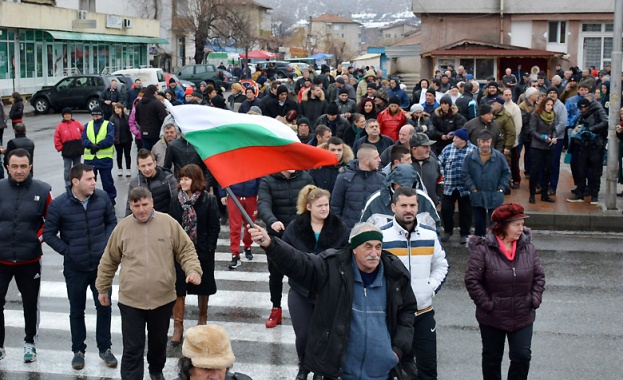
pixel 259 54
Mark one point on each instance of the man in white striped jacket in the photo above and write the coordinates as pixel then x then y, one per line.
pixel 419 249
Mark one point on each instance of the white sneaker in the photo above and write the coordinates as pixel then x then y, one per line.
pixel 119 172
pixel 30 353
pixel 128 173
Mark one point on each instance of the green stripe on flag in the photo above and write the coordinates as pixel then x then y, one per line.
pixel 224 138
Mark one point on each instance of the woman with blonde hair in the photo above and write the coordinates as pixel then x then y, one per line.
pixel 314 230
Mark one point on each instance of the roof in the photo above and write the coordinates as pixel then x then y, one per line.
pixel 397 24
pixel 472 48
pixel 410 40
pixel 251 2
pixel 332 18
pixel 366 56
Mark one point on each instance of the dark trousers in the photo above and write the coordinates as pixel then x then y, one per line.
pixel 68 163
pixel 28 280
pixel 519 343
pixel 574 149
pixel 275 284
pixel 123 150
pixel 541 161
pixel 590 158
pixel 301 309
pixel 555 172
pixel 424 346
pixel 465 212
pixel 77 284
pixel 149 143
pixel 133 323
pixel 482 216
pixel 108 183
pixel 514 165
pixel 1 166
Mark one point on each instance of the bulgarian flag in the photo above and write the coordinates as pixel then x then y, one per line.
pixel 239 147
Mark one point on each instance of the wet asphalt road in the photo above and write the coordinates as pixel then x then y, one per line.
pixel 577 333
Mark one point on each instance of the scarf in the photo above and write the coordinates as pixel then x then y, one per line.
pixel 548 117
pixel 357 131
pixel 189 215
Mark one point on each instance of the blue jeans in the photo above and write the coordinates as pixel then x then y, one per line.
pixel 68 163
pixel 149 143
pixel 77 284
pixel 519 343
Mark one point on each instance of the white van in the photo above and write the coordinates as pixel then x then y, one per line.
pixel 147 76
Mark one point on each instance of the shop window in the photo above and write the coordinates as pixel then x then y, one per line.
pixel 4 60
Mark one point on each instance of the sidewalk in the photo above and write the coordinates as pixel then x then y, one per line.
pixel 565 216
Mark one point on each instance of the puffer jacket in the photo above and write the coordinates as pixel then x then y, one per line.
pixel 276 198
pixel 17 110
pixel 506 293
pixel 444 123
pixel 83 233
pixel 150 114
pixel 163 188
pixel 537 128
pixel 351 190
pixel 300 235
pixel 313 108
pixel 390 124
pixel 330 277
pixel 181 153
pixel 23 207
pixel 596 121
pixel 337 126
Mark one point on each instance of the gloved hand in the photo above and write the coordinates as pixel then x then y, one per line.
pixel 94 149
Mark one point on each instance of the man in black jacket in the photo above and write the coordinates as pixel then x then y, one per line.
pixel 23 208
pixel 160 182
pixel 361 277
pixel 109 96
pixel 276 206
pixel 280 105
pixel 20 142
pixel 150 114
pixel 85 218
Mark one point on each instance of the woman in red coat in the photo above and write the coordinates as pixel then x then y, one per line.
pixel 392 119
pixel 68 141
pixel 506 281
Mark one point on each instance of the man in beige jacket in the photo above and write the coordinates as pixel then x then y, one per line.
pixel 147 242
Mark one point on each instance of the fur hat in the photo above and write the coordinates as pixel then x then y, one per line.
pixel 208 347
pixel 508 212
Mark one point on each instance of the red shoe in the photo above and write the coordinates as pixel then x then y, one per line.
pixel 274 319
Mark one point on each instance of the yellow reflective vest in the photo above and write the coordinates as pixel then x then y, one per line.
pixel 101 136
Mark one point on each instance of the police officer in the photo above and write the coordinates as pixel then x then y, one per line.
pixel 97 138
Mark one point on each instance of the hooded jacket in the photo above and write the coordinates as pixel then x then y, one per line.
pixel 313 108
pixel 596 121
pixel 68 138
pixel 506 293
pixel 378 207
pixel 17 110
pixel 401 94
pixel 444 123
pixel 150 114
pixel 507 128
pixel 351 190
pixel 391 124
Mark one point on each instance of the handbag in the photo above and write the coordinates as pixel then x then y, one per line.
pixel 567 158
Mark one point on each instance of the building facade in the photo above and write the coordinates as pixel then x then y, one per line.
pixel 336 35
pixel 572 32
pixel 41 44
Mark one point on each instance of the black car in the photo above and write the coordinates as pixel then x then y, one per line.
pixel 282 69
pixel 76 92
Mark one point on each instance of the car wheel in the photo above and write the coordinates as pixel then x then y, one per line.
pixel 280 75
pixel 92 103
pixel 42 106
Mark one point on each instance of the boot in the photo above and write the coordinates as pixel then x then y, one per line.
pixel 178 320
pixel 203 310
pixel 275 318
pixel 546 198
pixel 302 374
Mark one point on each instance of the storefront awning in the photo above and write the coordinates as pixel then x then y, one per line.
pixel 92 37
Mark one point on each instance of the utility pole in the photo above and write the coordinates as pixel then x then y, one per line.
pixel 615 106
pixel 309 38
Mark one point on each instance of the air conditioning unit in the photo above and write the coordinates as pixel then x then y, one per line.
pixel 127 23
pixel 82 15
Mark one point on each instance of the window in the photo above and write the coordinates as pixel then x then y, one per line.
pixel 65 83
pixel 557 32
pixel 187 71
pixel 591 27
pixel 480 67
pixel 87 5
pixel 200 69
pixel 596 45
pixel 98 81
pixel 82 82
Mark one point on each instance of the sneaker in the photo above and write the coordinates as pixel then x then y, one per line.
pixel 128 173
pixel 235 262
pixel 576 199
pixel 2 353
pixel 595 199
pixel 445 237
pixel 30 353
pixel 275 318
pixel 463 239
pixel 514 185
pixel 109 358
pixel 78 361
pixel 248 254
pixel 156 376
pixel 119 172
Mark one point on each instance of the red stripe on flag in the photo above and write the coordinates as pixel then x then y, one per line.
pixel 248 163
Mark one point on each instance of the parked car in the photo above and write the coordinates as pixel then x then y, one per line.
pixel 147 76
pixel 204 73
pixel 77 92
pixel 282 69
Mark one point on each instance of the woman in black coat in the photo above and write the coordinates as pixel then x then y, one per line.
pixel 197 212
pixel 542 131
pixel 123 139
pixel 506 281
pixel 17 109
pixel 314 230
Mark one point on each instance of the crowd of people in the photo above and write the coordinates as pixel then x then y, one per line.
pixel 361 241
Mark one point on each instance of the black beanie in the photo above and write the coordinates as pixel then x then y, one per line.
pixel 446 99
pixel 281 89
pixel 333 109
pixel 394 100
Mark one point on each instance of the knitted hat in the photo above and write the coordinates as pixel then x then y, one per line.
pixel 394 100
pixel 303 120
pixel 417 107
pixel 446 99
pixel 172 80
pixel 494 84
pixel 333 109
pixel 203 83
pixel 431 91
pixel 343 90
pixel 189 91
pixel 208 347
pixel 462 134
pixel 372 85
pixel 197 94
pixel 66 110
pixel 553 88
pixel 255 110
pixel 469 77
pixel 508 212
pixel 484 109
pixel 281 89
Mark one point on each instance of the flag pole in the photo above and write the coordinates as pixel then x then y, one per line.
pixel 244 213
